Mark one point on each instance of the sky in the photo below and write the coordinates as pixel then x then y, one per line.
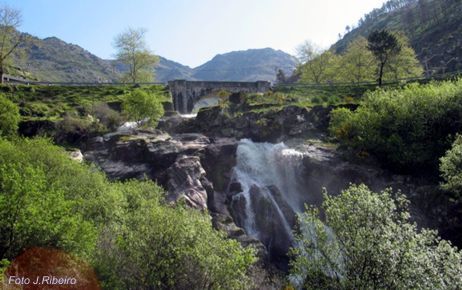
pixel 192 31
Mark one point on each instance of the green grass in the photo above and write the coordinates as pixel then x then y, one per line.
pixel 38 102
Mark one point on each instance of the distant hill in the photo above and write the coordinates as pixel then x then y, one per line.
pixel 248 65
pixel 434 28
pixel 52 59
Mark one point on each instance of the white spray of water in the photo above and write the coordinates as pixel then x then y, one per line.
pixel 263 165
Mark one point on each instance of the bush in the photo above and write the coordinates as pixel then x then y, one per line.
pixel 140 105
pixel 9 117
pixel 108 117
pixel 46 199
pixel 368 242
pixel 165 247
pixel 408 128
pixel 451 168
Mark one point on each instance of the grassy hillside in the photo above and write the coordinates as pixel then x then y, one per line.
pixel 53 102
pixel 434 28
pixel 52 59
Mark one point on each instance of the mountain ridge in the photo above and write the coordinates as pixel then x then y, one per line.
pixel 52 59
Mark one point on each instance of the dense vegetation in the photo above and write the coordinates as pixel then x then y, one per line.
pixel 383 57
pixel 451 168
pixel 368 242
pixel 9 117
pixel 434 28
pixel 125 230
pixel 408 129
pixel 140 105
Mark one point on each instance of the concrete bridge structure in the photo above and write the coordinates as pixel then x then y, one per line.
pixel 186 94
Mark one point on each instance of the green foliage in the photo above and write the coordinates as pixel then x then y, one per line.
pixel 451 168
pixel 321 69
pixel 139 105
pixel 356 65
pixel 368 242
pixel 47 199
pixel 433 26
pixel 132 238
pixel 9 117
pixel 407 129
pixel 132 51
pixel 169 247
pixel 388 58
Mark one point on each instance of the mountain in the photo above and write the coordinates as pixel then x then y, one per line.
pixel 434 28
pixel 51 59
pixel 248 65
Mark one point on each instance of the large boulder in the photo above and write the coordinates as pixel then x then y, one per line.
pixel 185 179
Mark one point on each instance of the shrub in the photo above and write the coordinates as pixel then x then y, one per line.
pixel 140 105
pixel 9 117
pixel 166 247
pixel 46 199
pixel 108 117
pixel 408 128
pixel 368 242
pixel 451 168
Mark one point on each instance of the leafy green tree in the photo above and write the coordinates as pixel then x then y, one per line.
pixel 383 45
pixel 451 168
pixel 357 64
pixel 368 242
pixel 404 64
pixel 132 51
pixel 9 117
pixel 140 105
pixel 10 38
pixel 321 69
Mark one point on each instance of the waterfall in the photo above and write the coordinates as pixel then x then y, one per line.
pixel 270 191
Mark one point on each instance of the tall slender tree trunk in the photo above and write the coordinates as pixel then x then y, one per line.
pixel 382 64
pixel 1 74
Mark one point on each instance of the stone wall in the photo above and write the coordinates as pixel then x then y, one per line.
pixel 186 93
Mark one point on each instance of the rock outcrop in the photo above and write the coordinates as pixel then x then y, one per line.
pixel 260 124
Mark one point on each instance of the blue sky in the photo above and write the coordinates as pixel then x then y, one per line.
pixel 192 32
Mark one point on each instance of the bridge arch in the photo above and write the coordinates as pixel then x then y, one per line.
pixel 186 94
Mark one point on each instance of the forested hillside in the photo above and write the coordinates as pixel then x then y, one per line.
pixel 434 28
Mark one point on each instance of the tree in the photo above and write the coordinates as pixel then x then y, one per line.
pixel 321 69
pixel 10 38
pixel 133 52
pixel 280 77
pixel 308 51
pixel 357 62
pixel 140 105
pixel 9 117
pixel 383 45
pixel 368 242
pixel 403 64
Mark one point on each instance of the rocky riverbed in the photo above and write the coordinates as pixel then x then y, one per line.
pixel 241 172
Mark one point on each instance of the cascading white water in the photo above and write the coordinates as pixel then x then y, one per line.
pixel 266 165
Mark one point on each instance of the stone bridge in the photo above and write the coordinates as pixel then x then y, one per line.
pixel 186 94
